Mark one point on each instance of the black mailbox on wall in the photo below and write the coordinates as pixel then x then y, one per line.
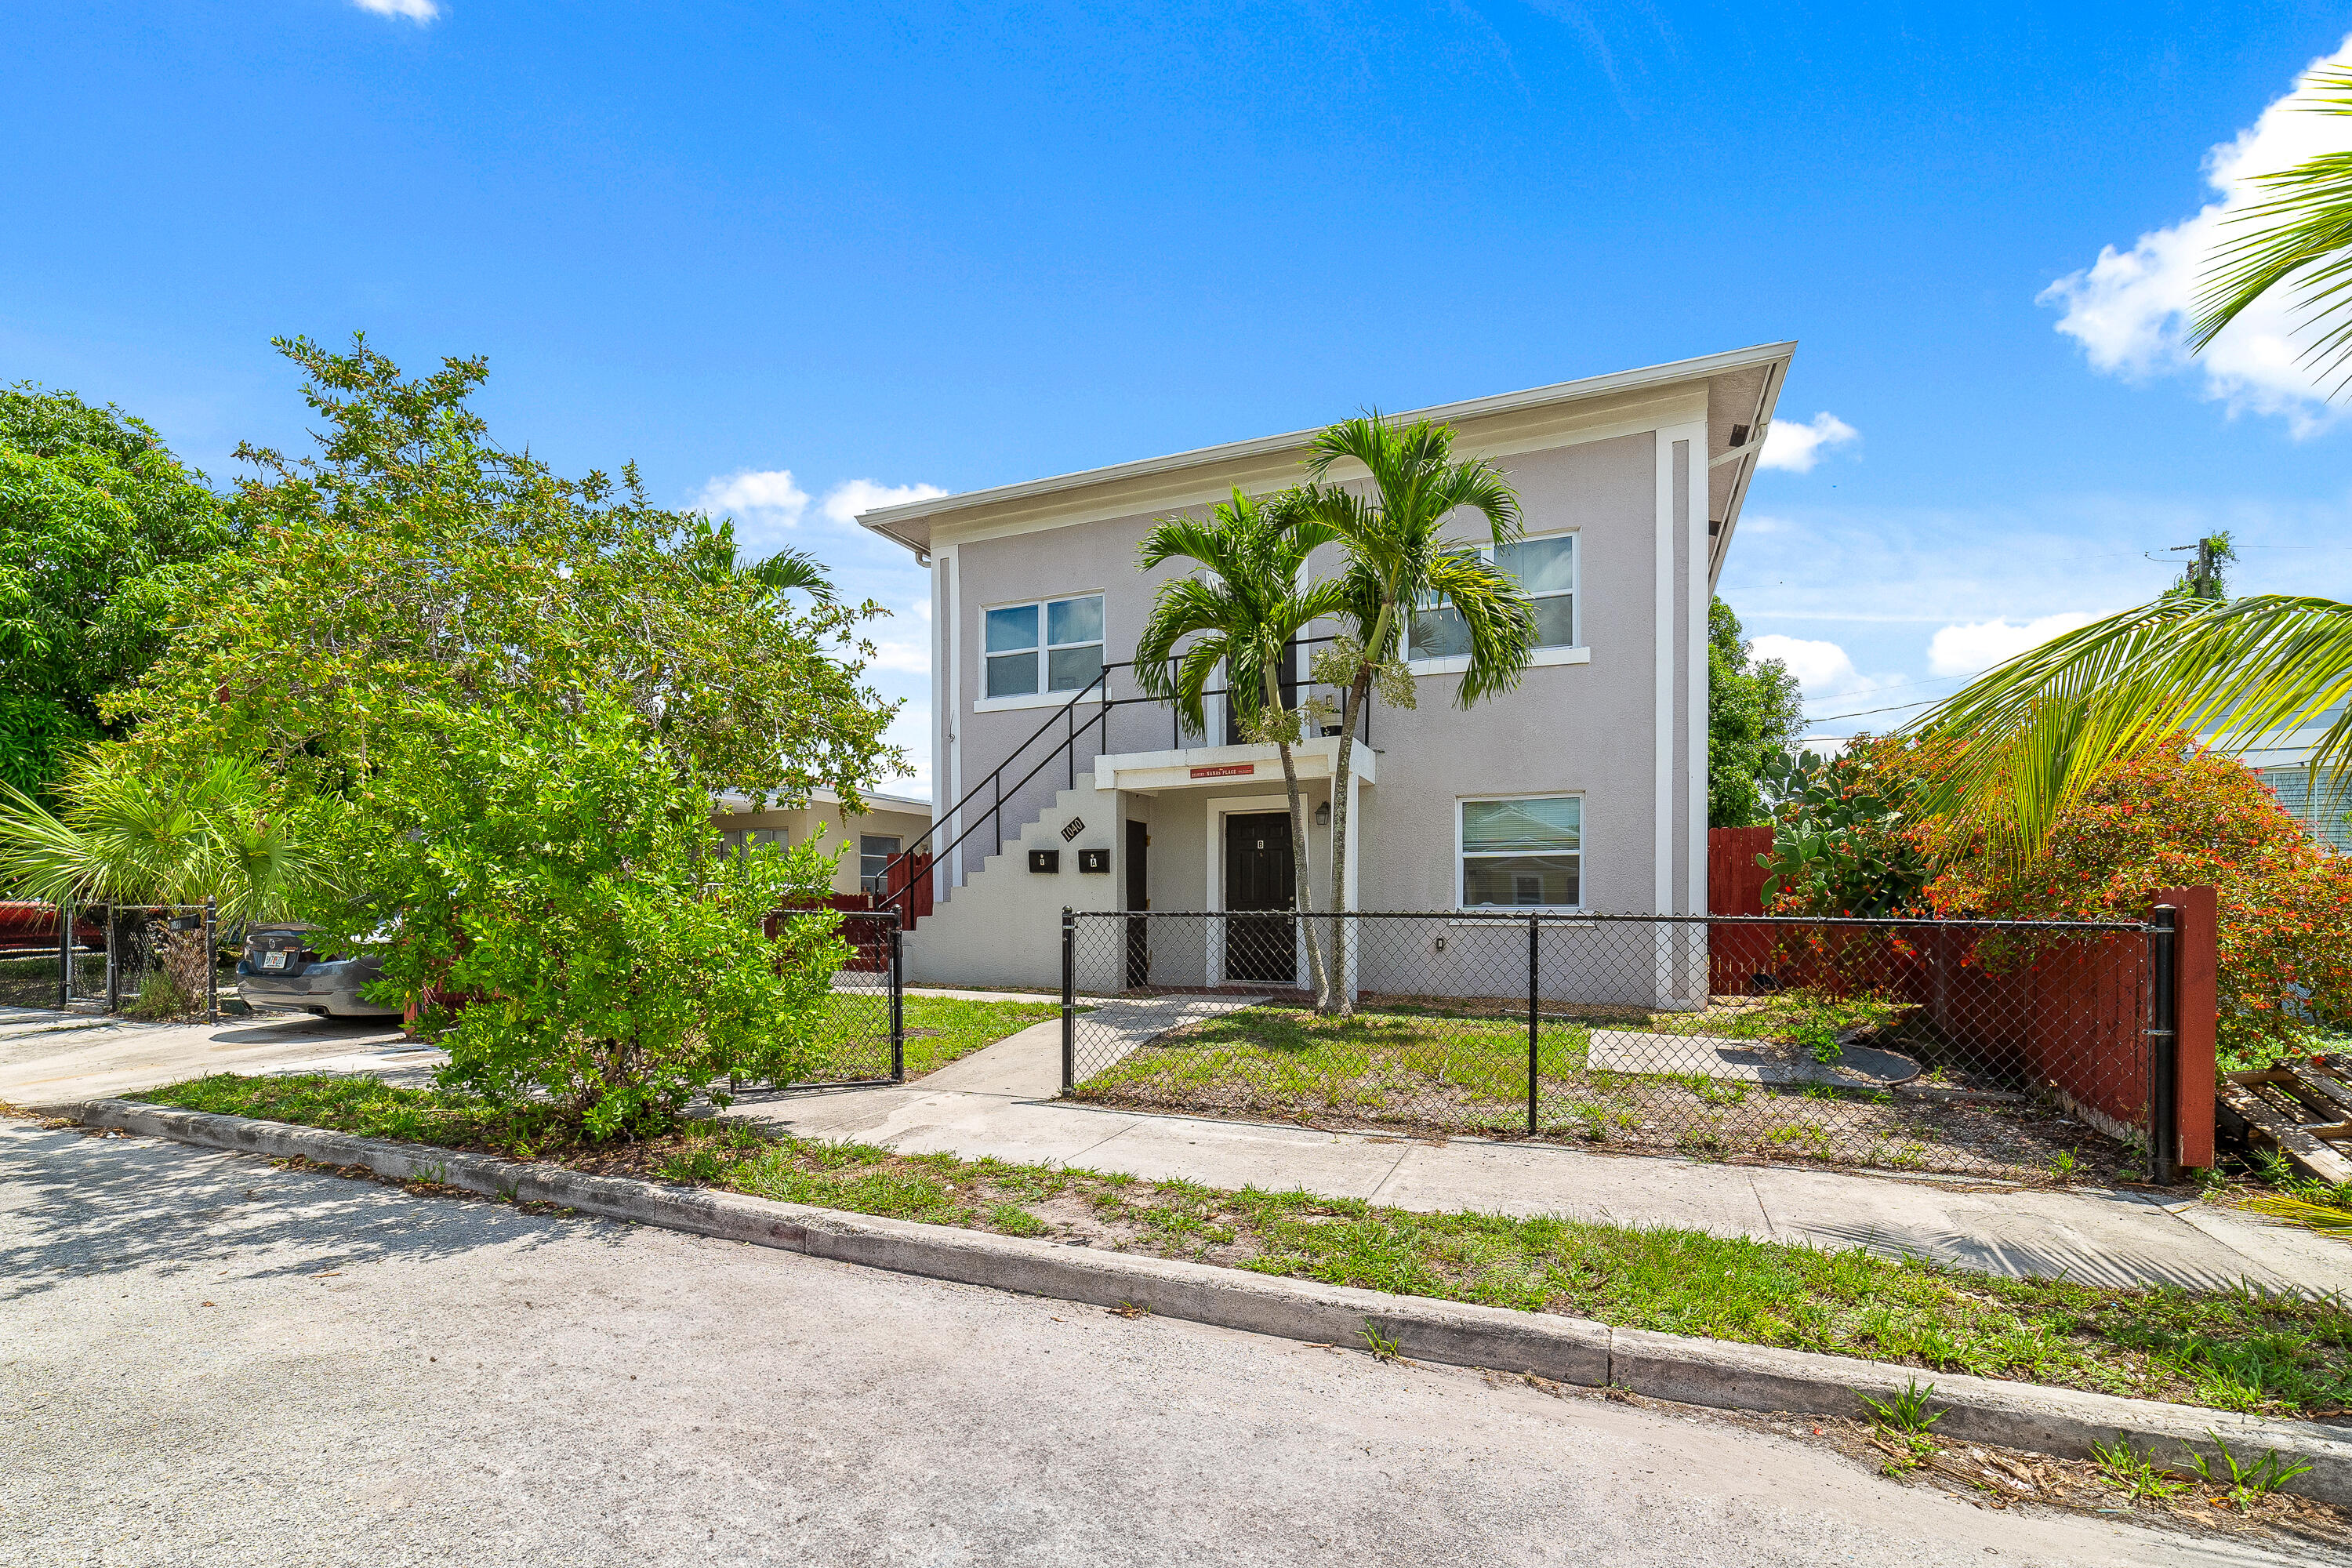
pixel 1093 860
pixel 1044 860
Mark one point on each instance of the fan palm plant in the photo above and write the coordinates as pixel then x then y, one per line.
pixel 1400 570
pixel 1242 611
pixel 126 831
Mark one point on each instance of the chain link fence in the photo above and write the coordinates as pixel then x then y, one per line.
pixel 2016 1049
pixel 151 962
pixel 862 1038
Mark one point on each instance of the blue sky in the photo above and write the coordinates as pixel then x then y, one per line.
pixel 877 246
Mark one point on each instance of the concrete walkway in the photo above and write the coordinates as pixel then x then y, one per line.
pixel 999 1102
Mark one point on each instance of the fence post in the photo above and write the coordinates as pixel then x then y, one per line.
pixel 1069 999
pixel 114 963
pixel 898 1001
pixel 65 953
pixel 1535 927
pixel 2164 1045
pixel 212 959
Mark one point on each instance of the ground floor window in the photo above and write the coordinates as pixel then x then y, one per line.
pixel 874 853
pixel 737 838
pixel 1524 853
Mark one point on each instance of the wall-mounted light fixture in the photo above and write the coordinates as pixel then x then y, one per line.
pixel 1323 815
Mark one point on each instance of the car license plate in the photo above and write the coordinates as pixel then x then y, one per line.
pixel 274 960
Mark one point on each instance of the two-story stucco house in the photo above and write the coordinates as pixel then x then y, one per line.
pixel 1584 789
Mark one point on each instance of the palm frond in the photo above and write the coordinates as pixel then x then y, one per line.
pixel 2326 1218
pixel 2030 735
pixel 1494 612
pixel 787 570
pixel 2303 232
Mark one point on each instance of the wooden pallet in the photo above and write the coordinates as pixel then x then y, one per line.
pixel 2302 1110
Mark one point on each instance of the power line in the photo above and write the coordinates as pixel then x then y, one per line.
pixel 1898 707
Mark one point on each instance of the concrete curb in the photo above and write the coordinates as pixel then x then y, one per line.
pixel 1713 1372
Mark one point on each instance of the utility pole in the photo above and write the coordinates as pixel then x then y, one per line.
pixel 2203 580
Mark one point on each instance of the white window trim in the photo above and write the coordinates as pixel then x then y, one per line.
pixel 1572 653
pixel 1456 664
pixel 1582 888
pixel 1040 698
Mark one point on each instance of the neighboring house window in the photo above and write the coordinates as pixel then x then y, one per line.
pixel 1522 854
pixel 736 839
pixel 874 853
pixel 1055 645
pixel 1545 566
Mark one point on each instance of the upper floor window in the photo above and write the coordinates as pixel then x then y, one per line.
pixel 1051 645
pixel 1545 566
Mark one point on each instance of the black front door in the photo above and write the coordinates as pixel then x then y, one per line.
pixel 1258 876
pixel 1138 931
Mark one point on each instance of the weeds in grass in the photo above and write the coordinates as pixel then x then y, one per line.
pixel 2246 1484
pixel 2241 1349
pixel 2132 1470
pixel 1903 1420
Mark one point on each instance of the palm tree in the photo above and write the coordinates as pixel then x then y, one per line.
pixel 1400 568
pixel 128 832
pixel 2031 736
pixel 1241 612
pixel 2039 729
pixel 715 555
pixel 2303 232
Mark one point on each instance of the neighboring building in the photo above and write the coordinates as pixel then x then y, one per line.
pixel 2322 803
pixel 868 841
pixel 1583 790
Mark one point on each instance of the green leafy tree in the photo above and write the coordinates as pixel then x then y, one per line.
pixel 1754 709
pixel 1241 613
pixel 1399 568
pixel 99 527
pixel 563 877
pixel 1842 840
pixel 413 561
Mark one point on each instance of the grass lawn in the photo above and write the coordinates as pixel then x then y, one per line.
pixel 2233 1351
pixel 1416 1067
pixel 856 1042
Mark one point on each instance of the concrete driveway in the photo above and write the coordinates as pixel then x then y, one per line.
pixel 205 1360
pixel 57 1059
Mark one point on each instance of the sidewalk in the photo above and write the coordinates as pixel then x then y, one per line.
pixel 999 1102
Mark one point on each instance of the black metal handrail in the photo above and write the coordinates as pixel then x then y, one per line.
pixel 903 863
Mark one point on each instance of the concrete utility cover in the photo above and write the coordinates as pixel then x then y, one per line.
pixel 1744 1061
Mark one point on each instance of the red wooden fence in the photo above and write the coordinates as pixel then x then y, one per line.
pixel 2072 1019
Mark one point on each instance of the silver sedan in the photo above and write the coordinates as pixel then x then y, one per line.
pixel 282 968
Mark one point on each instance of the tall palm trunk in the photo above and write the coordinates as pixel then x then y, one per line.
pixel 1336 998
pixel 1303 886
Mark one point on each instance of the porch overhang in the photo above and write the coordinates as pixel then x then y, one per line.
pixel 1227 767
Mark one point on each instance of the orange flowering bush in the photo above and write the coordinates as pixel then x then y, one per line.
pixel 2179 815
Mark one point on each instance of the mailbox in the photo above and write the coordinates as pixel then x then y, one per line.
pixel 1093 860
pixel 1044 860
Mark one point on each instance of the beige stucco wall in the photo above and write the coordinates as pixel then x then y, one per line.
pixel 834 831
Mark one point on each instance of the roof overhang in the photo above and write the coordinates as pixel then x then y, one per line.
pixel 1734 392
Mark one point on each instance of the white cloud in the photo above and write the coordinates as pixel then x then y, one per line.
pixel 1967 649
pixel 1796 445
pixel 906 658
pixel 768 495
pixel 847 499
pixel 418 11
pixel 2130 309
pixel 1821 669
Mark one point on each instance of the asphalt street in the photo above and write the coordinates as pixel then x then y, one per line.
pixel 207 1360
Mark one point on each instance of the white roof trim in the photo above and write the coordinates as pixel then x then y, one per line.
pixel 881 518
